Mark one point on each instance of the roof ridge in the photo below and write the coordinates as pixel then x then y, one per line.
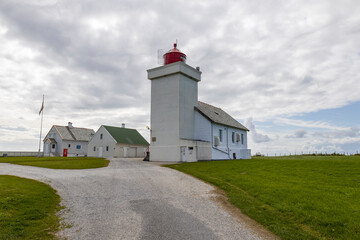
pixel 73 136
pixel 119 127
pixel 209 105
pixel 74 127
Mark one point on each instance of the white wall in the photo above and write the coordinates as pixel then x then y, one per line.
pixel 202 127
pixel 188 99
pixel 106 141
pixel 227 148
pixel 165 111
pixel 121 149
pixel 73 151
pixel 173 97
pixel 47 146
pixel 204 150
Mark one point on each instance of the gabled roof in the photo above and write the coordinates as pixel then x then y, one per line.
pixel 126 135
pixel 217 115
pixel 73 133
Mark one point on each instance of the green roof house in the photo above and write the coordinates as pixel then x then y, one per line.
pixel 121 142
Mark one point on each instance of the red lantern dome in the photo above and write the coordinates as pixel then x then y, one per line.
pixel 174 55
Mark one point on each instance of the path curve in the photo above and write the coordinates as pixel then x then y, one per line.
pixel 131 199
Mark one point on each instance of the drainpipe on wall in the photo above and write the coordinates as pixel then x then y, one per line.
pixel 227 143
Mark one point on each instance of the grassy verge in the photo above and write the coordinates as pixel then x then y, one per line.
pixel 299 197
pixel 58 162
pixel 27 209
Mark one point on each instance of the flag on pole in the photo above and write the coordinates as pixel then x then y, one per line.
pixel 42 106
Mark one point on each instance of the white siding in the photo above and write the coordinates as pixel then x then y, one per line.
pixel 188 99
pixel 227 148
pixel 106 141
pixel 202 128
pixel 73 151
pixel 47 146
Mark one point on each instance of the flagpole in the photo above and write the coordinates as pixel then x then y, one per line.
pixel 42 115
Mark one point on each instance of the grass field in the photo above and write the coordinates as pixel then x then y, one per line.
pixel 58 162
pixel 27 209
pixel 299 197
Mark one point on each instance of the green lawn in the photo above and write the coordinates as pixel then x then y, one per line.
pixel 58 162
pixel 27 209
pixel 298 197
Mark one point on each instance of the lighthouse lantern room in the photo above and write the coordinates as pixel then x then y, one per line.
pixel 174 55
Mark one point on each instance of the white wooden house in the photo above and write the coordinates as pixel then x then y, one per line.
pixel 110 141
pixel 227 136
pixel 73 140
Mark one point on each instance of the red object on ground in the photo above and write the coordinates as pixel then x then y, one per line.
pixel 65 152
pixel 174 55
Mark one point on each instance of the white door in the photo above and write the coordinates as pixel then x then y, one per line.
pixel 183 154
pixel 100 151
pixel 125 152
pixel 53 147
pixel 132 152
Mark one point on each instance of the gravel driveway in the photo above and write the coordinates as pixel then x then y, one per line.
pixel 131 199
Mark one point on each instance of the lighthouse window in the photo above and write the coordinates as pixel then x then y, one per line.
pixel 233 137
pixel 220 134
pixel 242 138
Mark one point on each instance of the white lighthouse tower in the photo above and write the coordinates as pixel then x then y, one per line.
pixel 174 95
pixel 183 128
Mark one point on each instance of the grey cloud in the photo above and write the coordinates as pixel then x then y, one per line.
pixel 298 134
pixel 20 129
pixel 257 137
pixel 260 61
pixel 352 132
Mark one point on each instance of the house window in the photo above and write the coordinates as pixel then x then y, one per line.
pixel 220 135
pixel 107 148
pixel 78 146
pixel 242 138
pixel 69 146
pixel 94 149
pixel 237 137
pixel 53 146
pixel 101 136
pixel 233 137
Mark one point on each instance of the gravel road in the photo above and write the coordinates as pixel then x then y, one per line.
pixel 131 199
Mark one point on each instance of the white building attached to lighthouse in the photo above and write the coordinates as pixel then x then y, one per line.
pixel 184 129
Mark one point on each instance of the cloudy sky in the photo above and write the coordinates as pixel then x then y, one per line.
pixel 288 70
